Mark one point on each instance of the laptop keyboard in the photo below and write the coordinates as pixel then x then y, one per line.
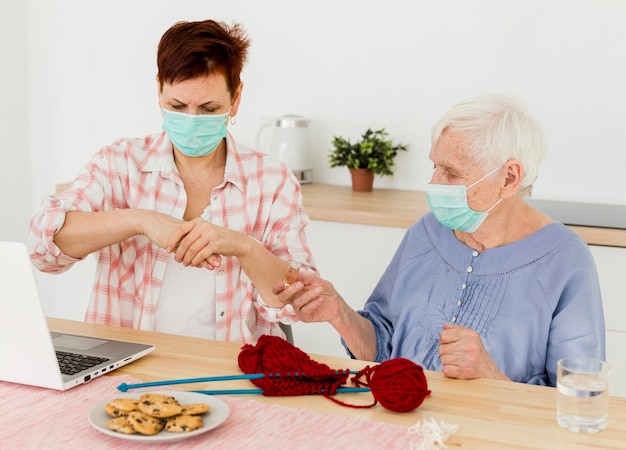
pixel 71 363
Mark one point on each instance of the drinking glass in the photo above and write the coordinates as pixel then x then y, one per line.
pixel 582 394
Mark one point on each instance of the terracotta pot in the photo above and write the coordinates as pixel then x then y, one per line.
pixel 362 180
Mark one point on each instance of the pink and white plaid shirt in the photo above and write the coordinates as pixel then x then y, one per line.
pixel 259 197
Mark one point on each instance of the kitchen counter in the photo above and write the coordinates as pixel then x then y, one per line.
pixel 597 224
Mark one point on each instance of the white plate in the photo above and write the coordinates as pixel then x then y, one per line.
pixel 98 418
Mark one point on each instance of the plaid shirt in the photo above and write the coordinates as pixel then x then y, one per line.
pixel 259 197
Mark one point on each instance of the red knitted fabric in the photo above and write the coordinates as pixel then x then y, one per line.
pixel 297 373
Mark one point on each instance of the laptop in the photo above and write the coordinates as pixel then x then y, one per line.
pixel 29 353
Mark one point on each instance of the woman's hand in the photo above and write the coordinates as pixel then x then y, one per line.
pixel 159 227
pixel 313 298
pixel 316 300
pixel 464 356
pixel 199 243
pixel 170 233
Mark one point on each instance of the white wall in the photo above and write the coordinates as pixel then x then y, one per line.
pixel 347 65
pixel 15 181
pixel 76 75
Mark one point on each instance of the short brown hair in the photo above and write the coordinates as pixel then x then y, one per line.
pixel 194 49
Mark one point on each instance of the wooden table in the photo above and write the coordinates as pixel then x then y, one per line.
pixel 490 414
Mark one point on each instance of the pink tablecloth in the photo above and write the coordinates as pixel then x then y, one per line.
pixel 35 418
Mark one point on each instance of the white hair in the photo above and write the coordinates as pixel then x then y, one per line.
pixel 497 128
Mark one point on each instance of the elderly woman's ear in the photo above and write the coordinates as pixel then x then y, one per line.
pixel 513 179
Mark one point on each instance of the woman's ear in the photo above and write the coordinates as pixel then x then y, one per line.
pixel 513 178
pixel 159 92
pixel 234 107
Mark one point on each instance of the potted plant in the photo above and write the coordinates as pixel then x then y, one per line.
pixel 373 154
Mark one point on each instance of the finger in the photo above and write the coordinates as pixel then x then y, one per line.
pixel 310 305
pixel 452 333
pixel 174 240
pixel 449 353
pixel 449 359
pixel 448 337
pixel 192 249
pixel 312 311
pixel 215 260
pixel 207 265
pixel 202 248
pixel 287 294
pixel 304 297
pixel 212 262
pixel 278 287
pixel 452 371
pixel 198 255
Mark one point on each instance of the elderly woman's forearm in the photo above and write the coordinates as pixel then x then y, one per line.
pixel 357 332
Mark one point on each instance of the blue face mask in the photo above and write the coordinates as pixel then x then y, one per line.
pixel 448 203
pixel 194 135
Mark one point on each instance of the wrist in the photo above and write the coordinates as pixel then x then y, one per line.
pixel 246 246
pixel 140 218
pixel 343 321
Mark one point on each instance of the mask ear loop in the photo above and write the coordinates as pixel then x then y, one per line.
pixel 488 175
pixel 494 205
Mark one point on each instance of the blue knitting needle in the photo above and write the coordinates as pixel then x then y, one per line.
pixel 260 391
pixel 254 376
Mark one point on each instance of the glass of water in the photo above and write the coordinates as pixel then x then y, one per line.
pixel 582 403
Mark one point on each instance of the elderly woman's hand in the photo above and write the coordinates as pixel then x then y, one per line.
pixel 313 298
pixel 464 356
pixel 316 300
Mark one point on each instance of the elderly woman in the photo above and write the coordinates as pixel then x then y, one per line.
pixel 190 228
pixel 484 285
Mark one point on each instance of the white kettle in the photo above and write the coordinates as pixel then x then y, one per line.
pixel 289 142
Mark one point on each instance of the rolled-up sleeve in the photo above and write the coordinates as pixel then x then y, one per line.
pixel 45 254
pixel 86 193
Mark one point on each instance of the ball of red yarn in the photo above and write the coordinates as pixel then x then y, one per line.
pixel 397 384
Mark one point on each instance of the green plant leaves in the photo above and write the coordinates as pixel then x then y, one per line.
pixel 374 151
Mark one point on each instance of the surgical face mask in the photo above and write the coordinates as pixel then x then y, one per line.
pixel 194 135
pixel 448 203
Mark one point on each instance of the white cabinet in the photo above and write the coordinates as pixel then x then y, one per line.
pixel 611 263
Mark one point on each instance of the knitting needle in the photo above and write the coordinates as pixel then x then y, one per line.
pixel 254 376
pixel 260 391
